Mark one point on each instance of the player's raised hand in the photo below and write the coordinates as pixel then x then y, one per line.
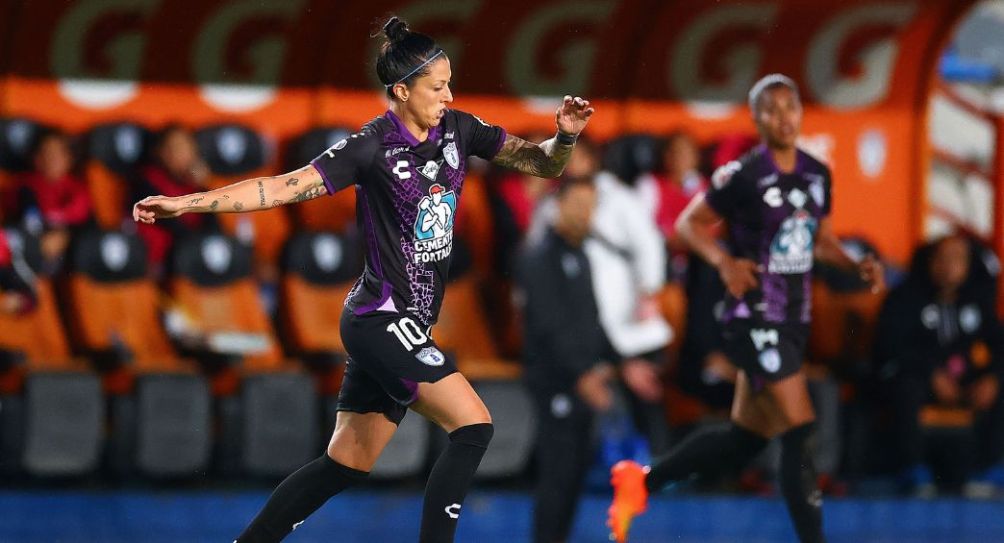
pixel 151 208
pixel 573 115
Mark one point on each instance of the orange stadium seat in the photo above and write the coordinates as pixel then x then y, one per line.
pixel 51 399
pixel 161 406
pixel 474 224
pixel 843 325
pixel 113 152
pixel 463 328
pixel 270 427
pixel 234 153
pixel 319 271
pixel 327 214
pixel 673 302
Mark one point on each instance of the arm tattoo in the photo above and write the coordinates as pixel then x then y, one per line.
pixel 214 205
pixel 238 206
pixel 292 182
pixel 545 159
pixel 308 194
pixel 277 203
pixel 194 201
pixel 261 194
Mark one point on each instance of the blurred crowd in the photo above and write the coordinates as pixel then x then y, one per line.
pixel 906 383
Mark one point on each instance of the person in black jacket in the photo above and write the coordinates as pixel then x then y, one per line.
pixel 564 351
pixel 939 342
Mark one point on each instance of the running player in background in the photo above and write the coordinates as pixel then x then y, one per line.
pixel 776 201
pixel 408 168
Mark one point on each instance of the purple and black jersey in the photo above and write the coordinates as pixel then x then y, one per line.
pixel 773 218
pixel 407 195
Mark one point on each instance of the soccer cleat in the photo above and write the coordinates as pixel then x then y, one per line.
pixel 630 497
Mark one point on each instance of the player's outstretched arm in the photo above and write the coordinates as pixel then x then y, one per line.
pixel 548 158
pixel 248 195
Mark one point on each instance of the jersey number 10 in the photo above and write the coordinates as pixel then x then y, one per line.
pixel 408 333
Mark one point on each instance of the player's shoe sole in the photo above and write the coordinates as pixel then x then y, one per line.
pixel 630 497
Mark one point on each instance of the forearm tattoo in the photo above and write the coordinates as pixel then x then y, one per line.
pixel 261 194
pixel 546 159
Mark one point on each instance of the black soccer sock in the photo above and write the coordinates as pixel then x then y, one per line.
pixel 724 447
pixel 798 484
pixel 449 481
pixel 297 497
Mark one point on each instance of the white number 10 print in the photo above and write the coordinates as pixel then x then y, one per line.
pixel 408 333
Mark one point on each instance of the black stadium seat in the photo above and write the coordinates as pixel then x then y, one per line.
pixel 114 150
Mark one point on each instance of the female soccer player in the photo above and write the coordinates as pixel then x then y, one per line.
pixel 776 201
pixel 408 168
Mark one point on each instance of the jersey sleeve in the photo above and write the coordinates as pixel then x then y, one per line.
pixel 480 138
pixel 343 164
pixel 729 190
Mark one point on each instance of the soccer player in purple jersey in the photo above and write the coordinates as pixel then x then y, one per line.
pixel 776 202
pixel 407 167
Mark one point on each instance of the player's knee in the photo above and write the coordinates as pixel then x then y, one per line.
pixel 477 435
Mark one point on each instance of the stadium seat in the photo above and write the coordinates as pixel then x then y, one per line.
pixel 161 407
pixel 474 225
pixel 319 271
pixel 271 424
pixel 673 302
pixel 326 214
pixel 233 153
pixel 17 139
pixel 515 423
pixel 843 325
pixel 113 150
pixel 464 332
pixel 53 409
pixel 406 453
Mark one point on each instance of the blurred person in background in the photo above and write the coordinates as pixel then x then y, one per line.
pixel 777 203
pixel 939 342
pixel 176 170
pixel 628 259
pixel 567 358
pixel 667 193
pixel 50 201
pixel 17 290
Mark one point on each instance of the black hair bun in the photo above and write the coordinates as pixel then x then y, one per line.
pixel 395 29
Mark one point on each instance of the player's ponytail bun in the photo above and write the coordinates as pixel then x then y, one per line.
pixel 405 55
pixel 396 30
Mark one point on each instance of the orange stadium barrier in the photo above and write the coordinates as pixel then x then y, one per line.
pixel 866 69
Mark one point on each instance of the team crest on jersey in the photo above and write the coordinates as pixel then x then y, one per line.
pixel 431 356
pixel 434 225
pixel 791 249
pixel 452 155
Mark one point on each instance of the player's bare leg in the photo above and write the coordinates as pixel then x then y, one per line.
pixel 453 405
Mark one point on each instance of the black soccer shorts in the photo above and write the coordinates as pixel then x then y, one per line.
pixel 767 352
pixel 389 355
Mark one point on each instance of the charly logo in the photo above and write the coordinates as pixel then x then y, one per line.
pixel 452 155
pixel 434 225
pixel 791 249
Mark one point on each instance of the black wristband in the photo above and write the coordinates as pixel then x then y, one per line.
pixel 565 139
